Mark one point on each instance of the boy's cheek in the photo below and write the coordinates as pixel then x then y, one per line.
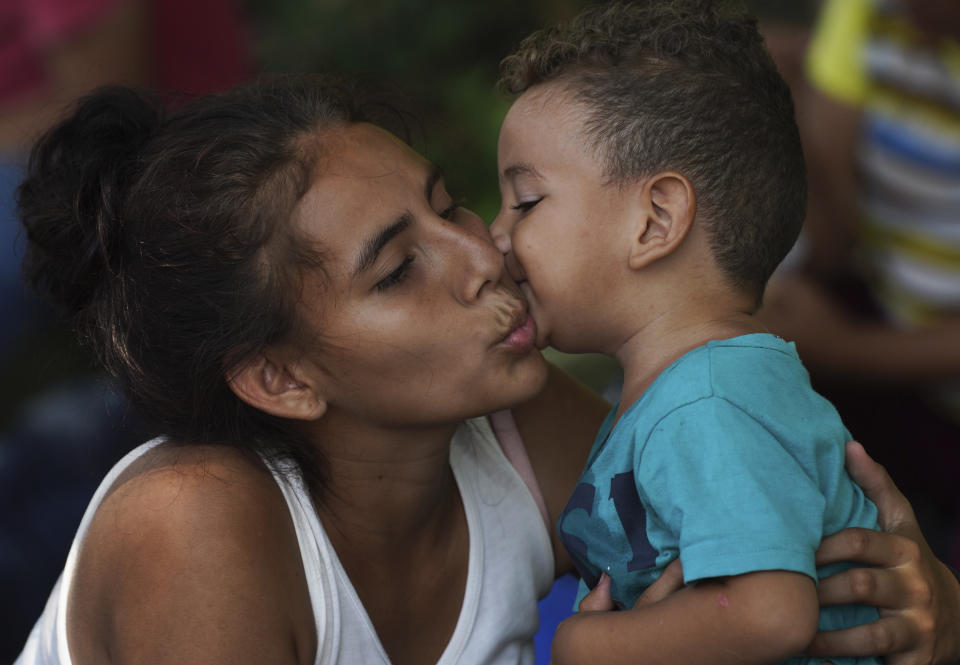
pixel 543 333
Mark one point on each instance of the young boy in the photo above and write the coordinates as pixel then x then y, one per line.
pixel 652 179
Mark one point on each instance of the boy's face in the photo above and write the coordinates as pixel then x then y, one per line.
pixel 563 231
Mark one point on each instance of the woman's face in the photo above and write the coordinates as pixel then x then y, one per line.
pixel 416 318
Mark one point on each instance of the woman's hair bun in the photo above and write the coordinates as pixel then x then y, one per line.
pixel 71 202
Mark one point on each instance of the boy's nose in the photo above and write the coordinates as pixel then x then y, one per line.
pixel 501 234
pixel 514 269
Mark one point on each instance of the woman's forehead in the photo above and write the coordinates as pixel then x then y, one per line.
pixel 364 178
pixel 362 150
pixel 363 165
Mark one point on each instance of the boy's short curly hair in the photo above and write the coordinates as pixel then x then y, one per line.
pixel 684 85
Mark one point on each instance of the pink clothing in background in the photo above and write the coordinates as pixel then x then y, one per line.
pixel 29 29
pixel 199 45
pixel 195 45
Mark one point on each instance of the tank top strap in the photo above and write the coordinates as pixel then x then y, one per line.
pixel 508 436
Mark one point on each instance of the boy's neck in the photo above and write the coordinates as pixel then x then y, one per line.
pixel 661 341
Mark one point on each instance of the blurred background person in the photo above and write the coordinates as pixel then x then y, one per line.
pixel 872 294
pixel 53 51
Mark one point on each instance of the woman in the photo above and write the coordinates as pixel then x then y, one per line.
pixel 293 298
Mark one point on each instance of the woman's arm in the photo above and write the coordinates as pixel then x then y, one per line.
pixel 918 596
pixel 558 427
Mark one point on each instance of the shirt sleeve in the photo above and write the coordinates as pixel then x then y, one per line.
pixel 735 498
pixel 834 61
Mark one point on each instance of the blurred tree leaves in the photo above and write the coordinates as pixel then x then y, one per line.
pixel 439 60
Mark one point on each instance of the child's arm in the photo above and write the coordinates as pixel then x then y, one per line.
pixel 762 617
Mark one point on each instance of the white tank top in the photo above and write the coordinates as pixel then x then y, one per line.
pixel 510 566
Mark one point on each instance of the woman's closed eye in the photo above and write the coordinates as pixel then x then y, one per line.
pixel 401 271
pixel 397 276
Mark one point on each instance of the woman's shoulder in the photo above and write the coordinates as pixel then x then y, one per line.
pixel 193 549
pixel 180 492
pixel 182 473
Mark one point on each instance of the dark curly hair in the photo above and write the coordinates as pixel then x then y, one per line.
pixel 166 238
pixel 685 85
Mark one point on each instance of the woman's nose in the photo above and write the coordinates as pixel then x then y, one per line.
pixel 476 263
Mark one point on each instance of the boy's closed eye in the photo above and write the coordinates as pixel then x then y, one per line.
pixel 526 206
pixel 449 213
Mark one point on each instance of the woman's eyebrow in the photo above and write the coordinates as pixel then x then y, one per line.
pixel 376 242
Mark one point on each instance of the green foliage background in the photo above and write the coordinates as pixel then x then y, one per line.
pixel 437 59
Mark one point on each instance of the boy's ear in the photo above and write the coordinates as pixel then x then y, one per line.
pixel 269 385
pixel 667 207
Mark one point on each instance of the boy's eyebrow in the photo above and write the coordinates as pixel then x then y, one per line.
pixel 433 177
pixel 376 242
pixel 519 169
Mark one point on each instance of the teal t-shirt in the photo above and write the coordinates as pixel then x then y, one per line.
pixel 729 461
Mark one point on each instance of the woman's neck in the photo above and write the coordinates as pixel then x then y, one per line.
pixel 393 513
pixel 385 489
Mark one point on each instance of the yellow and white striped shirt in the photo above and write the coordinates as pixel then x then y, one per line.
pixel 866 53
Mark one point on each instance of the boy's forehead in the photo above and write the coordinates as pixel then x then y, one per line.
pixel 548 101
pixel 542 124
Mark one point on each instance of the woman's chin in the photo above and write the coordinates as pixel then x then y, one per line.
pixel 527 380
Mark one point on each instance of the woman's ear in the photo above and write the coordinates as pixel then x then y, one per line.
pixel 271 386
pixel 666 209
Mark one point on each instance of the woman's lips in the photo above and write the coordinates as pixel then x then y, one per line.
pixel 523 337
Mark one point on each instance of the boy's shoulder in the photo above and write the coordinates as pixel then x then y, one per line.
pixel 752 362
pixel 727 367
pixel 759 377
pixel 757 373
